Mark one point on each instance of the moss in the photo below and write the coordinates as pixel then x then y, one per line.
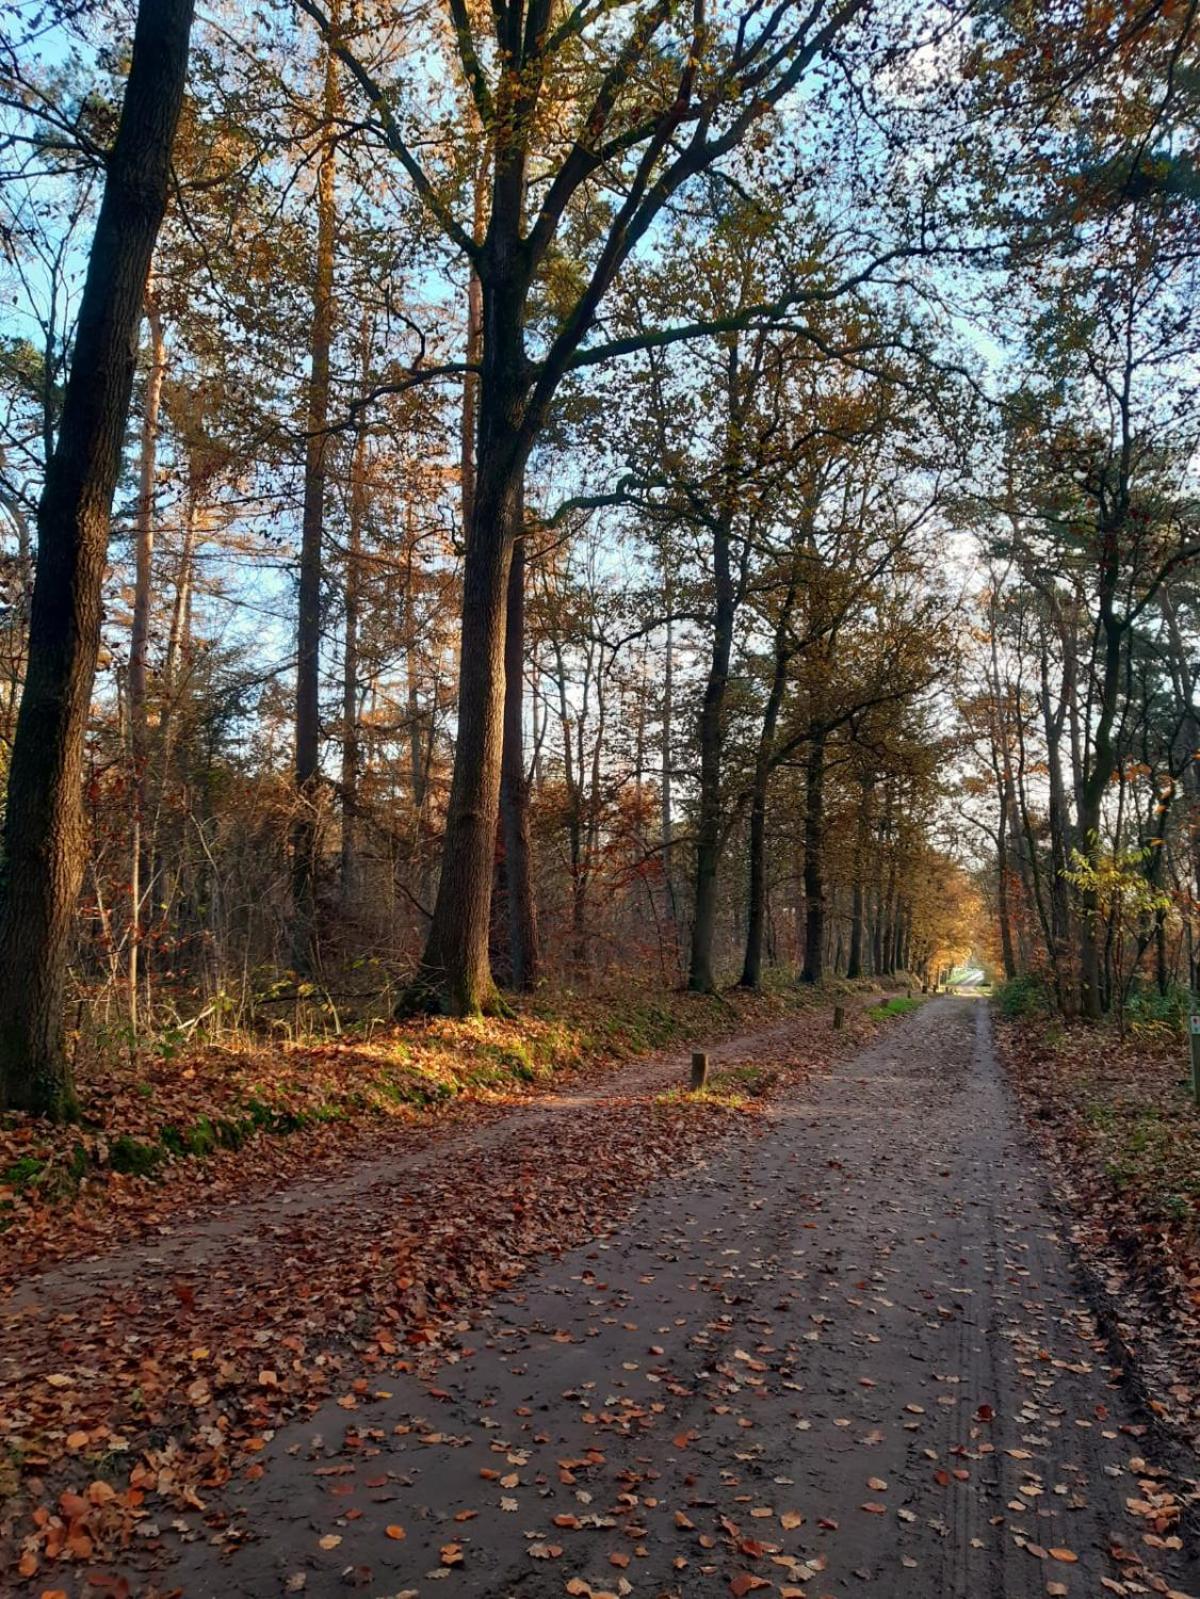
pixel 24 1172
pixel 487 1076
pixel 134 1158
pixel 202 1137
pixel 231 1134
pixel 78 1164
pixel 413 1088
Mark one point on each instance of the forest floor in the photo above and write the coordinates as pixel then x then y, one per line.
pixel 1115 1120
pixel 177 1131
pixel 837 1345
pixel 156 1326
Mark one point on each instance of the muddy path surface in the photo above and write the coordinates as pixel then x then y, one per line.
pixel 850 1356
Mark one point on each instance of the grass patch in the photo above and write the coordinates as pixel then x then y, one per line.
pixel 900 1006
pixel 733 1088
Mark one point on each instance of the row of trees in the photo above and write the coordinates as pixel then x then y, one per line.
pixel 1083 715
pixel 529 532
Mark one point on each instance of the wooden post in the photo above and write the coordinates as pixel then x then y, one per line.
pixel 1194 1039
pixel 699 1071
pixel 839 1017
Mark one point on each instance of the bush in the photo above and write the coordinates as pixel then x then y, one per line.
pixel 1148 1008
pixel 1024 995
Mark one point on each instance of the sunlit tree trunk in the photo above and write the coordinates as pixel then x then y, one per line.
pixel 350 884
pixel 139 640
pixel 44 844
pixel 455 972
pixel 521 914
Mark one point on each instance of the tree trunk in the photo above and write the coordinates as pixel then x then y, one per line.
pixel 44 829
pixel 1089 813
pixel 814 859
pixel 455 973
pixel 177 651
pixel 757 890
pixel 305 829
pixel 712 738
pixel 139 635
pixel 862 838
pixel 514 791
pixel 668 820
pixel 139 642
pixel 887 964
pixel 350 885
pixel 1003 911
pixel 469 419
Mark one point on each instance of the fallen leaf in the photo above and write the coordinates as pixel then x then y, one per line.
pixel 746 1583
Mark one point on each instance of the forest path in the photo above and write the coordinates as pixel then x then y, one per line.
pixel 252 1225
pixel 850 1356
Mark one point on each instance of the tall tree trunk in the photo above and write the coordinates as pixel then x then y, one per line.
pixel 701 978
pixel 889 921
pixel 44 842
pixel 757 887
pixel 305 830
pixel 814 858
pixel 455 972
pixel 139 640
pixel 862 839
pixel 1003 909
pixel 1056 815
pixel 469 420
pixel 350 885
pixel 1091 797
pixel 139 634
pixel 178 644
pixel 668 756
pixel 514 791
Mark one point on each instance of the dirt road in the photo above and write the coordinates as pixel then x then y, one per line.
pixel 851 1357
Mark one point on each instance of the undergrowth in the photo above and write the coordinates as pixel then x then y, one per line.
pixel 144 1115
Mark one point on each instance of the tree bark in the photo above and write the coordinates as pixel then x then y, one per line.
pixel 757 888
pixel 350 885
pixel 701 978
pixel 1089 807
pixel 667 764
pixel 44 842
pixel 1003 909
pixel 862 839
pixel 139 642
pixel 306 829
pixel 814 859
pixel 455 972
pixel 139 635
pixel 521 912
